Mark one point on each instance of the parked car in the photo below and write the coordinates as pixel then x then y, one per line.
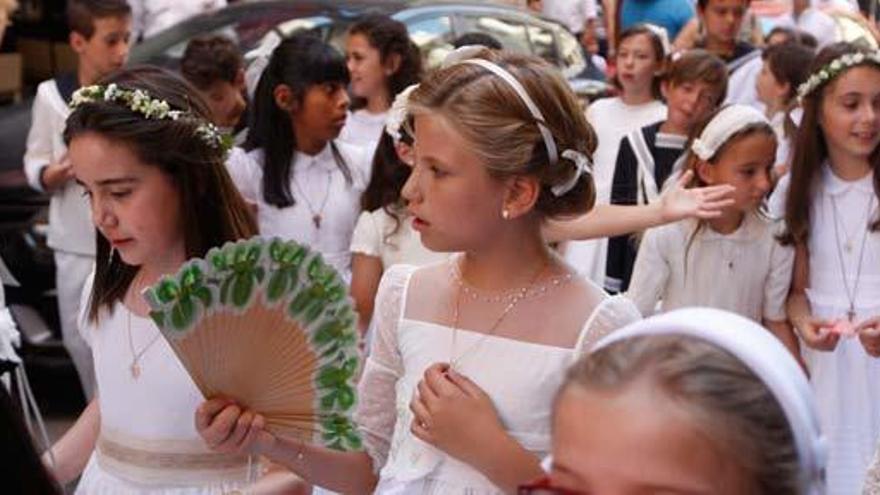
pixel 433 26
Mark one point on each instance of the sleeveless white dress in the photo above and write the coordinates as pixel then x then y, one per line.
pixel 148 442
pixel 522 393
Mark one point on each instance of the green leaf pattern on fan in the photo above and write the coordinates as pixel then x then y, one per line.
pixel 287 273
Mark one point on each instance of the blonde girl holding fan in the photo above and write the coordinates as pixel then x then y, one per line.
pixel 683 264
pixel 831 214
pixel 152 166
pixel 447 402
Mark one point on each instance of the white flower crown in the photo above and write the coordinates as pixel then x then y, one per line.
pixel 141 102
pixel 834 69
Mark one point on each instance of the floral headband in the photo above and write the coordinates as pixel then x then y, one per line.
pixel 834 68
pixel 139 101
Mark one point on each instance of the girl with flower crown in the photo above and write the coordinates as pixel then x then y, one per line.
pixel 831 211
pixel 152 167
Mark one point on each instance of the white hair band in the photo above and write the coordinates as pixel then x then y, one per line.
pixel 725 124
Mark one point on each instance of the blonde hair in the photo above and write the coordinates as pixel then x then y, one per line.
pixel 493 119
pixel 727 402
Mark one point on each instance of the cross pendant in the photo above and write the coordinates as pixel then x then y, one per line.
pixel 317 221
pixel 135 370
pixel 851 314
pixel 848 247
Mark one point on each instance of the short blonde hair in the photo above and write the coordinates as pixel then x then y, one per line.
pixel 495 121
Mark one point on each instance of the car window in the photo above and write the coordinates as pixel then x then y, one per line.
pixel 543 43
pixel 511 34
pixel 433 36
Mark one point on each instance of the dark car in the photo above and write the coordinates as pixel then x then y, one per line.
pixel 433 26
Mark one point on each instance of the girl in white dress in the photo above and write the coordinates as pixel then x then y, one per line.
pixel 732 262
pixel 152 167
pixel 455 396
pixel 730 413
pixel 641 53
pixel 383 61
pixel 832 219
pixel 305 184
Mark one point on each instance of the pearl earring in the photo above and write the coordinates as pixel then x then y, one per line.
pixel 505 214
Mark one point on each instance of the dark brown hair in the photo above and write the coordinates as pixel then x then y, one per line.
pixel 726 401
pixel 656 45
pixel 81 14
pixel 491 116
pixel 790 63
pixel 210 59
pixel 390 38
pixel 698 66
pixel 214 211
pixel 389 174
pixel 811 151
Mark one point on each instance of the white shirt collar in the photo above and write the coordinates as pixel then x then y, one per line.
pixel 324 160
pixel 751 228
pixel 835 186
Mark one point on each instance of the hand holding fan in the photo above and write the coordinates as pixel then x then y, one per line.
pixel 268 324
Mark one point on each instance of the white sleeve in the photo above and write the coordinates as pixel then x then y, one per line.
pixel 376 413
pixel 778 281
pixel 367 237
pixel 613 313
pixel 650 273
pixel 245 173
pixel 39 140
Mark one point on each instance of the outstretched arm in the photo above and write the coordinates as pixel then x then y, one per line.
pixel 675 203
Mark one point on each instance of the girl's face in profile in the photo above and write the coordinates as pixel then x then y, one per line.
pixel 135 206
pixel 636 441
pixel 368 74
pixel 744 163
pixel 454 203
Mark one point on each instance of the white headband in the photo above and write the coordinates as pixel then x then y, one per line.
pixel 583 164
pixel 661 33
pixel 725 124
pixel 766 357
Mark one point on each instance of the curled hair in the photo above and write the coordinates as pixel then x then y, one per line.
pixel 811 151
pixel 388 176
pixel 725 400
pixel 210 59
pixel 390 38
pixel 213 210
pixel 698 65
pixel 493 119
pixel 299 62
pixel 656 46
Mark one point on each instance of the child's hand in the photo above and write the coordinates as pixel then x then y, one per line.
pixel 56 174
pixel 225 427
pixel 453 414
pixel 817 334
pixel 677 202
pixel 869 336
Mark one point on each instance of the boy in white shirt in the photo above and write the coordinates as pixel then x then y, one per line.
pixel 99 35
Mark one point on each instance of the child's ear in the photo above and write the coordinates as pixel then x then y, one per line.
pixel 239 82
pixel 392 64
pixel 284 98
pixel 78 42
pixel 785 90
pixel 521 196
pixel 665 88
pixel 705 172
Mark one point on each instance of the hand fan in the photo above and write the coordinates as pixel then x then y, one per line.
pixel 269 324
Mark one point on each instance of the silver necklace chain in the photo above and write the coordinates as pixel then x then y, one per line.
pixel 135 366
pixel 850 295
pixel 317 216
